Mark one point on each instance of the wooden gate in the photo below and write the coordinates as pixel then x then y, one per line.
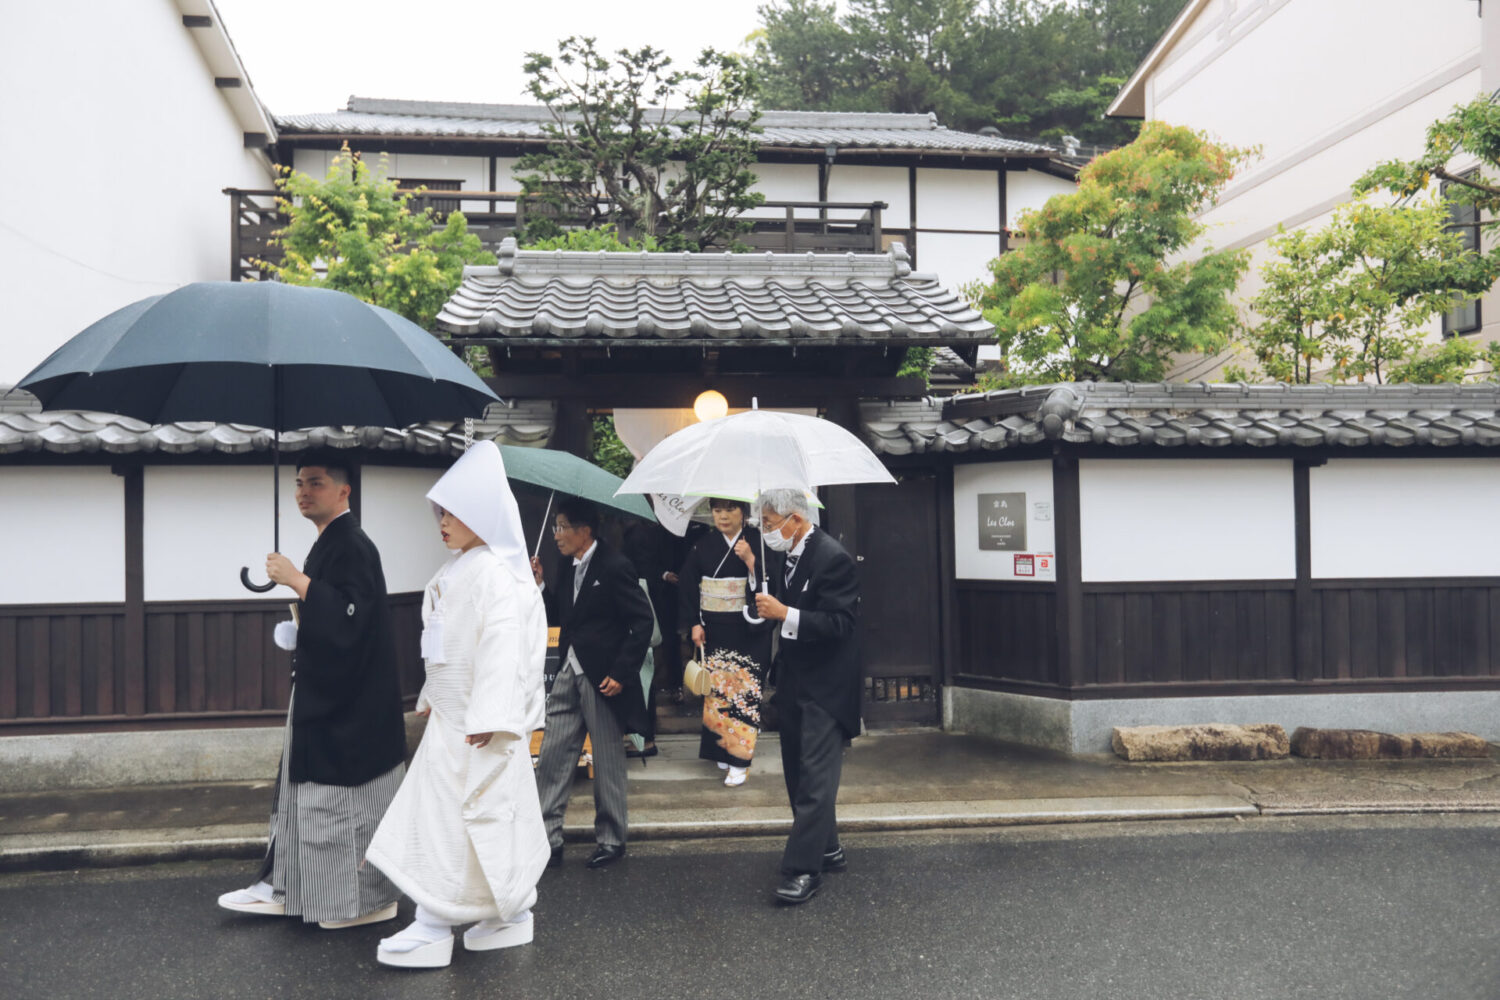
pixel 898 553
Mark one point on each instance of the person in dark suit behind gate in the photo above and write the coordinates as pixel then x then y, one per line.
pixel 604 622
pixel 815 597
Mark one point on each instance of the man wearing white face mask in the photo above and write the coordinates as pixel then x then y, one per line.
pixel 815 598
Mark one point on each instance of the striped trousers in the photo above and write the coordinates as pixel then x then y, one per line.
pixel 319 835
pixel 573 708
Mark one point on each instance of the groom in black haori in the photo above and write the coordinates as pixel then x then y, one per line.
pixel 345 747
pixel 814 600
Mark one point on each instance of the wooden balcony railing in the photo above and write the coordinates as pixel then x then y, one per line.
pixel 779 226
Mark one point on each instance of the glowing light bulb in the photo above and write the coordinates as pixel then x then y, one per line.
pixel 710 405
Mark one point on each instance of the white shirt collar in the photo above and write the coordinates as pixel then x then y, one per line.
pixel 580 560
pixel 796 552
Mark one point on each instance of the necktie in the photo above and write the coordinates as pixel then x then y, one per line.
pixel 791 566
pixel 578 571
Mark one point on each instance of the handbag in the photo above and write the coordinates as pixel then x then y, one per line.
pixel 695 675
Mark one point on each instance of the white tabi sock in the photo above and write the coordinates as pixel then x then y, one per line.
pixel 494 924
pixel 427 928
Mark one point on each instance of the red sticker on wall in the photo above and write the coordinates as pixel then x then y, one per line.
pixel 1025 565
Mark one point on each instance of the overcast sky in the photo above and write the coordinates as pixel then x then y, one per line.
pixel 310 55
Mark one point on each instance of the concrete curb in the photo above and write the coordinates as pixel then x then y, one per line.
pixel 62 851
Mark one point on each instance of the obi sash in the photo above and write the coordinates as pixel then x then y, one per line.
pixel 721 593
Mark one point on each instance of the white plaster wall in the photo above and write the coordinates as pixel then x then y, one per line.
pixel 888 184
pixel 1281 72
pixel 956 258
pixel 1028 190
pixel 958 199
pixel 1186 519
pixel 396 515
pixel 141 144
pixel 62 532
pixel 1405 517
pixel 786 182
pixel 1031 478
pixel 202 523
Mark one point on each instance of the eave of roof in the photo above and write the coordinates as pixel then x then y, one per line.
pixel 223 61
pixel 799 131
pixel 1198 416
pixel 1130 102
pixel 26 430
pixel 745 299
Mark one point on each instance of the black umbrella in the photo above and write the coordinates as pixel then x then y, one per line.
pixel 262 353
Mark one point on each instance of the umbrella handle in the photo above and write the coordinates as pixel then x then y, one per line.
pixel 745 611
pixel 259 588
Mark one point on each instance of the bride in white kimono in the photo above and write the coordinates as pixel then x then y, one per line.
pixel 464 836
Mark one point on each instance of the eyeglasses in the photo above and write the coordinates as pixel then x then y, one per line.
pixel 558 529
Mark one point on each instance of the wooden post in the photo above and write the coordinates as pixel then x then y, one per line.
pixel 1308 642
pixel 1070 652
pixel 133 655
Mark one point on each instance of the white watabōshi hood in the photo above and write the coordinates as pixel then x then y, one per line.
pixel 476 491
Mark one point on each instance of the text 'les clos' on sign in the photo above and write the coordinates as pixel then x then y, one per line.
pixel 1002 522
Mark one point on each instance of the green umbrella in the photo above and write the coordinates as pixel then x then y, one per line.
pixel 563 472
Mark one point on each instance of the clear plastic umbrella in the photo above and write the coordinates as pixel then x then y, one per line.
pixel 740 457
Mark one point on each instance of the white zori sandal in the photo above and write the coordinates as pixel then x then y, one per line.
pixel 736 776
pixel 259 899
pixel 420 945
pixel 488 935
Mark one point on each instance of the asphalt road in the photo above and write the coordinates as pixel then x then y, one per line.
pixel 1264 908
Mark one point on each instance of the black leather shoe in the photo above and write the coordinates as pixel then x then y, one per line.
pixel 647 751
pixel 606 854
pixel 556 860
pixel 834 860
pixel 799 888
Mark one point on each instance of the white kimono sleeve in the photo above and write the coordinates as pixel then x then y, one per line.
pixel 501 701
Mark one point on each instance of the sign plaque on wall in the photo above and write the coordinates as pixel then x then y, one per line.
pixel 1025 565
pixel 1002 521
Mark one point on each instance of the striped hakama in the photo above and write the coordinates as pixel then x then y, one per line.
pixel 319 835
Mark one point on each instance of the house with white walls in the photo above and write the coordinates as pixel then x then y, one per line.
pixel 1326 89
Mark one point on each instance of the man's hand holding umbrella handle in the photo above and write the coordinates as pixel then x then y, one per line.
pixel 536 570
pixel 769 607
pixel 281 570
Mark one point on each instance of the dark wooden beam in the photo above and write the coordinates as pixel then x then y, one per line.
pixel 257 140
pixel 197 21
pixel 134 654
pixel 228 82
pixel 1066 543
pixel 611 390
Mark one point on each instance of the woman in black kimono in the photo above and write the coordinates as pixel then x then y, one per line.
pixel 715 585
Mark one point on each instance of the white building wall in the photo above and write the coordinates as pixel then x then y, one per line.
pixel 141 144
pixel 62 530
pixel 1028 190
pixel 1326 89
pixel 202 523
pixel 957 258
pixel 1417 517
pixel 1033 480
pixel 395 513
pixel 1188 519
pixel 891 185
pixel 958 199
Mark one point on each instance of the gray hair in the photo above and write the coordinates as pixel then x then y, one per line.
pixel 786 503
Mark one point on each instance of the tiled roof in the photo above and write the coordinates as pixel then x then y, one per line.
pixel 1198 415
pixel 832 298
pixel 70 432
pixel 812 129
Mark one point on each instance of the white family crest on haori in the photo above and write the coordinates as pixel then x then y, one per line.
pixel 464 837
